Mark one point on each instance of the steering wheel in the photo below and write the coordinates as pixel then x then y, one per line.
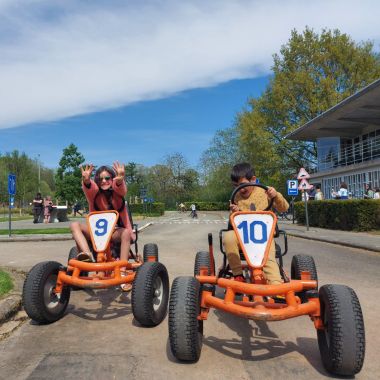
pixel 251 184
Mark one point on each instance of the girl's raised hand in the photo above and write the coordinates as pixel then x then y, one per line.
pixel 86 172
pixel 119 169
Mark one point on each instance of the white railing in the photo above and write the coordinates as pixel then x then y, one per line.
pixel 359 152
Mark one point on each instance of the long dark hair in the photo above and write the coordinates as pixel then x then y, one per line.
pixel 101 169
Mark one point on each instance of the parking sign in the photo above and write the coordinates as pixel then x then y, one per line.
pixel 11 184
pixel 293 187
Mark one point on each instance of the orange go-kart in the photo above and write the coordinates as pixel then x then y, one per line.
pixel 47 286
pixel 334 309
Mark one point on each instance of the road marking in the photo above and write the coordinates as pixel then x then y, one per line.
pixel 206 221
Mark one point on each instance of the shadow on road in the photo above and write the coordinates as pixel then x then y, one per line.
pixel 102 305
pixel 259 343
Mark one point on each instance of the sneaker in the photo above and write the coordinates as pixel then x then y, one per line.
pixel 239 278
pixel 85 256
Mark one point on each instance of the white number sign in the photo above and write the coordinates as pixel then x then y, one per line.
pixel 101 227
pixel 255 235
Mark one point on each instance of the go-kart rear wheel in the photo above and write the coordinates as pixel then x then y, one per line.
pixel 342 342
pixel 40 301
pixel 150 252
pixel 303 263
pixel 202 259
pixel 150 294
pixel 185 330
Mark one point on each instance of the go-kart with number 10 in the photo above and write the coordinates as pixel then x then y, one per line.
pixel 334 310
pixel 47 287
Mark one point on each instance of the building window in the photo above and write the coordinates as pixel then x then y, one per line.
pixel 328 152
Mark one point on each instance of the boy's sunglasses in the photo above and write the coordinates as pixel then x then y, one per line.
pixel 107 178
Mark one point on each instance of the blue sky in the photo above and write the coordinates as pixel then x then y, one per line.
pixel 136 80
pixel 144 132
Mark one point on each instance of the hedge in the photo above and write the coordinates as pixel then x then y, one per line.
pixel 347 215
pixel 208 206
pixel 156 208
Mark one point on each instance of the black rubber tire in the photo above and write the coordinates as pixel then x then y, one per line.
pixel 150 250
pixel 202 259
pixel 185 330
pixel 40 304
pixel 150 294
pixel 303 263
pixel 73 253
pixel 342 343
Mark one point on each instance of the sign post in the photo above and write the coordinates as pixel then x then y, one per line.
pixel 12 193
pixel 304 185
pixel 293 192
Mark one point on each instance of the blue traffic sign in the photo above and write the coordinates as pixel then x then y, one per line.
pixel 11 184
pixel 12 202
pixel 292 187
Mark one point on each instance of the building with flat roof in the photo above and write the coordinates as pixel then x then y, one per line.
pixel 348 143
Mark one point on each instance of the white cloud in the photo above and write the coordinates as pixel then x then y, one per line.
pixel 65 58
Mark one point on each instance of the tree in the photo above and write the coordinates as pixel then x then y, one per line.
pixel 135 176
pixel 26 170
pixel 311 74
pixel 68 177
pixel 216 163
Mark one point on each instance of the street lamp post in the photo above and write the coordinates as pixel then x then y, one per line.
pixel 39 174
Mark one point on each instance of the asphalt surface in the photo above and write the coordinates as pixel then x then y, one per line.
pixel 361 240
pixel 99 338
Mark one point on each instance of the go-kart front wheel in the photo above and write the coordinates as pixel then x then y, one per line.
pixel 150 252
pixel 303 263
pixel 202 259
pixel 150 294
pixel 185 330
pixel 40 301
pixel 342 342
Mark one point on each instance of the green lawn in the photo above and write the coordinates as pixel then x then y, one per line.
pixel 5 219
pixel 37 231
pixel 5 283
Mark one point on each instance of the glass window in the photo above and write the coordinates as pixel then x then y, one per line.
pixel 328 149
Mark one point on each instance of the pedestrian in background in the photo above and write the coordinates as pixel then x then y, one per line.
pixel 318 193
pixel 368 193
pixel 343 192
pixel 77 207
pixel 37 207
pixel 377 194
pixel 48 208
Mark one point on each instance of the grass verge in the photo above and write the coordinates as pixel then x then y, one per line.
pixel 6 283
pixel 40 231
pixel 15 218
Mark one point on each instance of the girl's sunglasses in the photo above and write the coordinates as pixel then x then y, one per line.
pixel 107 178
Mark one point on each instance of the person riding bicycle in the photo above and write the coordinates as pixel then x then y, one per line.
pixel 252 199
pixel 105 192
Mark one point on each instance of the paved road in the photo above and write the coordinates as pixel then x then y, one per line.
pixel 98 337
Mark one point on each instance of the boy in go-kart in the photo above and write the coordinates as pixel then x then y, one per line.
pixel 105 192
pixel 252 199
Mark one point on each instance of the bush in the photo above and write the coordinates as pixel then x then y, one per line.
pixel 156 208
pixel 208 206
pixel 347 215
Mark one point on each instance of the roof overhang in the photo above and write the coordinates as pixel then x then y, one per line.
pixel 347 119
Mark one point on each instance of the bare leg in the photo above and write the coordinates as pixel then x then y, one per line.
pixel 122 235
pixel 80 235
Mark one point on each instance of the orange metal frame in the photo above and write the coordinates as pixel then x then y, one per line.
pixel 106 270
pixel 255 304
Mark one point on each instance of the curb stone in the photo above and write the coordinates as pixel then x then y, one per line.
pixel 360 245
